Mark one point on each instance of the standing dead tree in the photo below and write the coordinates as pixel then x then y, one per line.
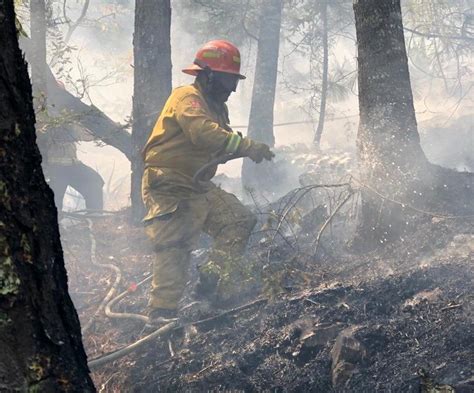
pixel 40 333
pixel 392 161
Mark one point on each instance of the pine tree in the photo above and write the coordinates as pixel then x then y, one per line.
pixel 40 336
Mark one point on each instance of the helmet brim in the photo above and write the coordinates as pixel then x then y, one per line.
pixel 194 69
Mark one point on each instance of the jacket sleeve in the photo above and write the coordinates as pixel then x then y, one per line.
pixel 204 132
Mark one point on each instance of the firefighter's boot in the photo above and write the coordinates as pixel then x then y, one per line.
pixel 159 317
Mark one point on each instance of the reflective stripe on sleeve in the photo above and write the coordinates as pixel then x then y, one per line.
pixel 233 143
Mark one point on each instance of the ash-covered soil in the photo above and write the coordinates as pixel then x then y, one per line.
pixel 396 320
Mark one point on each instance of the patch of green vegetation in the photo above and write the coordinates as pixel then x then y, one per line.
pixel 5 195
pixel 235 274
pixel 35 371
pixel 4 320
pixel 9 280
pixel 38 369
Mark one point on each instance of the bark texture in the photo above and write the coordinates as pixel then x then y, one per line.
pixel 40 337
pixel 387 116
pixel 392 161
pixel 152 82
pixel 264 87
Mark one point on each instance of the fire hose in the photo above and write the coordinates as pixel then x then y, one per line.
pixel 86 216
pixel 197 178
pixel 108 302
pixel 109 266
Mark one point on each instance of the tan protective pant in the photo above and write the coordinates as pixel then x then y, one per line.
pixel 217 213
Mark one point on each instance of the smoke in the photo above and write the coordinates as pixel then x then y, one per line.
pixel 100 66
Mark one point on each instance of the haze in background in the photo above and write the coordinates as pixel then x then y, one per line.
pixel 103 55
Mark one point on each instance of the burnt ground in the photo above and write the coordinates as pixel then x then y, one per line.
pixel 396 320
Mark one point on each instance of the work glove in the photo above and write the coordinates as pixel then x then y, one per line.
pixel 256 151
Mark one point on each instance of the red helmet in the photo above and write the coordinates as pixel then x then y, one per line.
pixel 218 55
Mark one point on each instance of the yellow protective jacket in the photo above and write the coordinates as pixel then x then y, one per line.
pixel 190 132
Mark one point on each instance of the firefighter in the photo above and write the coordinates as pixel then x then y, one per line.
pixel 57 138
pixel 192 130
pixel 63 168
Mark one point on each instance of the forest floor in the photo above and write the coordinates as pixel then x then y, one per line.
pixel 384 321
pixel 321 318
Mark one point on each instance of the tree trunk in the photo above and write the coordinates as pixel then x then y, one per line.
pixel 38 54
pixel 325 76
pixel 391 159
pixel 263 94
pixel 40 335
pixel 152 82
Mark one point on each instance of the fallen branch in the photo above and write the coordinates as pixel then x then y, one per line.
pixel 290 204
pixel 451 307
pixel 329 219
pixel 307 299
pixel 226 313
pixel 203 370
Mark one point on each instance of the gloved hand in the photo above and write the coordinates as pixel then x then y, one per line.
pixel 256 151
